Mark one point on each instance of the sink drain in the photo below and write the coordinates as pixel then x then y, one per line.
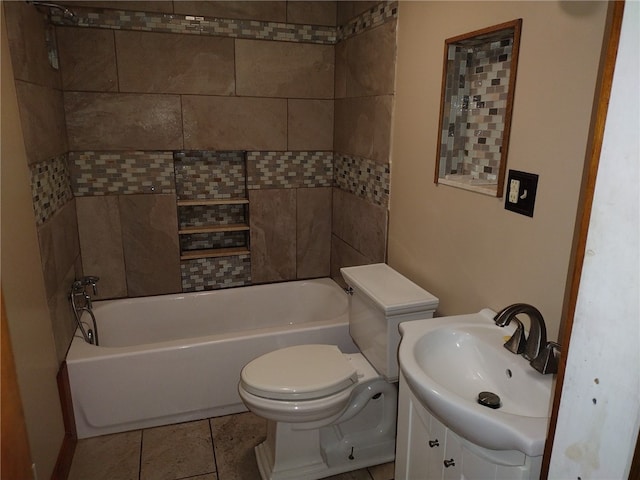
pixel 489 399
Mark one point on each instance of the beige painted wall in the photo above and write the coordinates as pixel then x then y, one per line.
pixel 23 287
pixel 465 247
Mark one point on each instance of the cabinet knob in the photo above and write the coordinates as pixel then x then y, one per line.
pixel 449 463
pixel 434 443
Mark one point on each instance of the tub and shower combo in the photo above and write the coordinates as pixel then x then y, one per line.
pixel 176 358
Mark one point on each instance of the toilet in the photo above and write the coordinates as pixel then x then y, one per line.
pixel 327 411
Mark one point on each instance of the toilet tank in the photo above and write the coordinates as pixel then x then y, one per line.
pixel 381 299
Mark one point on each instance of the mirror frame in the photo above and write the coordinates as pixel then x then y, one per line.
pixel 489 34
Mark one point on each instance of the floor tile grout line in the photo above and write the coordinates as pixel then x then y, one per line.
pixel 213 447
pixel 140 456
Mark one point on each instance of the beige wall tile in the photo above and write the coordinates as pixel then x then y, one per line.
pixel 87 59
pixel 310 124
pixel 283 69
pixel 369 62
pixel 363 127
pixel 273 235
pixel 48 258
pixel 234 123
pixel 349 9
pixel 26 31
pixel 150 243
pixel 360 224
pixel 59 253
pixel 312 12
pixel 101 243
pixel 250 10
pixel 344 255
pixel 313 227
pixel 61 314
pixel 120 121
pixel 170 63
pixel 42 119
pixel 341 70
pixel 66 245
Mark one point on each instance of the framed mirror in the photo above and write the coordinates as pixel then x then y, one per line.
pixel 478 84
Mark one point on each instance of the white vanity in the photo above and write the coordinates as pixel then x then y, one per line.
pixel 427 450
pixel 443 433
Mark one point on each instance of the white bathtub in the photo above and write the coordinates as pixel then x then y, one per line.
pixel 176 358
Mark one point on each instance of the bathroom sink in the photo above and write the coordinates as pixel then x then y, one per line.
pixel 448 361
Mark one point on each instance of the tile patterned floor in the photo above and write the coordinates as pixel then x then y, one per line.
pixel 216 449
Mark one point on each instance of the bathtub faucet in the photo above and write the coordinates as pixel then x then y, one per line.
pixel 78 291
pixel 79 285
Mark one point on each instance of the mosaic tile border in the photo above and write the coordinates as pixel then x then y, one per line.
pixel 198 25
pixel 211 26
pixel 289 169
pixel 50 187
pixel 371 18
pixel 214 273
pixel 210 174
pixel 121 173
pixel 362 177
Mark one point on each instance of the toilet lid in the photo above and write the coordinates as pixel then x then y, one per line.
pixel 301 372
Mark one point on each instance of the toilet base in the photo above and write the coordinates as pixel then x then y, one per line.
pixel 363 456
pixel 294 451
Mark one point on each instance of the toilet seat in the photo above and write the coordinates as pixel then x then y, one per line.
pixel 302 372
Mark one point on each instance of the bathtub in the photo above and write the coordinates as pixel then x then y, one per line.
pixel 176 358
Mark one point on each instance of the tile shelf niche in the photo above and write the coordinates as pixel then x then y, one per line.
pixel 212 204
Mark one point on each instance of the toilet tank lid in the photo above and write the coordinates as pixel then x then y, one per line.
pixel 394 293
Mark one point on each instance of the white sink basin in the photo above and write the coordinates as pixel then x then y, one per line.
pixel 448 361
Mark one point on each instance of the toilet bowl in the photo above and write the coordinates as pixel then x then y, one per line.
pixel 330 412
pixel 288 385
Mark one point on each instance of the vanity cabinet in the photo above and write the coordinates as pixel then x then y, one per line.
pixel 427 450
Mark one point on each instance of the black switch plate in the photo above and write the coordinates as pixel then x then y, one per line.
pixel 520 194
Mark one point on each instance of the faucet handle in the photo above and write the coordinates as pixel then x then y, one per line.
pixel 518 340
pixel 547 360
pixel 78 285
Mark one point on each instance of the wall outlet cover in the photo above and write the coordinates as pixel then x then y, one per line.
pixel 521 195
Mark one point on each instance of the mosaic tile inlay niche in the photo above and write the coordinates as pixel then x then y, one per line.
pixel 478 82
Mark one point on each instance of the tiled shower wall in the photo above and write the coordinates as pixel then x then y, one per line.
pixel 40 101
pixel 135 87
pixel 364 89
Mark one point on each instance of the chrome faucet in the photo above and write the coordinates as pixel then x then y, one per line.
pixel 537 350
pixel 78 291
pixel 78 285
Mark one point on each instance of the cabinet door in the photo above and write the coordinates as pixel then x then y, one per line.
pixel 419 460
pixel 435 448
pixel 452 463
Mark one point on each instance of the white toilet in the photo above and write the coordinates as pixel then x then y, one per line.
pixel 330 412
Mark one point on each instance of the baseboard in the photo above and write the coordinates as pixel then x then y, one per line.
pixel 65 457
pixel 70 440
